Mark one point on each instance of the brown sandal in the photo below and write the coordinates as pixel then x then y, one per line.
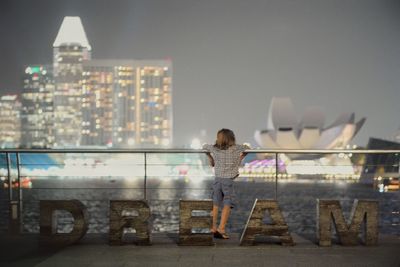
pixel 221 235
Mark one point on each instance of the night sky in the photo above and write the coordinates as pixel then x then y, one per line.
pixel 231 57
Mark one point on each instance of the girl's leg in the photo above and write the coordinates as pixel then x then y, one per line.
pixel 229 196
pixel 214 218
pixel 224 218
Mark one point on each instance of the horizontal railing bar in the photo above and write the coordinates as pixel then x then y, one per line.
pixel 119 188
pixel 184 150
pixel 101 151
pixel 185 164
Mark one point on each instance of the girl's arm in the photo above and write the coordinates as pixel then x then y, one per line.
pixel 243 154
pixel 211 159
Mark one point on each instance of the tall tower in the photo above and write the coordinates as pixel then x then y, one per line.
pixel 10 124
pixel 37 107
pixel 142 115
pixel 127 103
pixel 153 103
pixel 70 49
pixel 124 105
pixel 109 103
pixel 97 103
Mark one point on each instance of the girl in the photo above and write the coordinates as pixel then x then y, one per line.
pixel 225 156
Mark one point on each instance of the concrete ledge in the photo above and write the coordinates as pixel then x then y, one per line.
pixel 93 250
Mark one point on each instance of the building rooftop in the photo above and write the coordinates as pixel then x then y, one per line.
pixel 72 32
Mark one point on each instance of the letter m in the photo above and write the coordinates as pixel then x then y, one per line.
pixel 363 211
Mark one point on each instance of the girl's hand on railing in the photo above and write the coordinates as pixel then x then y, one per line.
pixel 243 155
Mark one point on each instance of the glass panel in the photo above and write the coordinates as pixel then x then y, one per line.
pixel 93 178
pixel 172 177
pixel 4 209
pixel 342 177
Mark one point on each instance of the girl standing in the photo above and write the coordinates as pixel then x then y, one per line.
pixel 225 156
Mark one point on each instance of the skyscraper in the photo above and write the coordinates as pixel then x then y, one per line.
pixel 153 103
pixel 127 103
pixel 124 130
pixel 70 49
pixel 10 125
pixel 97 103
pixel 37 107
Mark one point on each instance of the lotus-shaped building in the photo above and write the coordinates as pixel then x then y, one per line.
pixel 285 130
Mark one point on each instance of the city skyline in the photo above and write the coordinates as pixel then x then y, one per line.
pixel 346 54
pixel 79 101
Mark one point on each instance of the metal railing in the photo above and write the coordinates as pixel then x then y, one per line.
pixel 276 152
pixel 15 202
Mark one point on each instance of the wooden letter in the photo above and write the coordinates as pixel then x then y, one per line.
pixel 348 233
pixel 118 221
pixel 48 222
pixel 255 226
pixel 188 222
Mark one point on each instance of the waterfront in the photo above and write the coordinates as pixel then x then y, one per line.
pixel 297 200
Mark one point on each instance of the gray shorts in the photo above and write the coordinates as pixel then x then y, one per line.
pixel 223 192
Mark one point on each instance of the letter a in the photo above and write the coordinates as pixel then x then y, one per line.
pixel 255 226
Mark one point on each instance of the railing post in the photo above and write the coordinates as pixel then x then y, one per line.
pixel 13 223
pixel 145 176
pixel 8 160
pixel 276 175
pixel 19 192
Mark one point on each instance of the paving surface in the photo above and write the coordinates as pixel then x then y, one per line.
pixel 93 250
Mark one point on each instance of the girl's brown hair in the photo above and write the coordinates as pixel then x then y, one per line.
pixel 225 139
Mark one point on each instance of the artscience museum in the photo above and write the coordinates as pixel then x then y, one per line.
pixel 285 130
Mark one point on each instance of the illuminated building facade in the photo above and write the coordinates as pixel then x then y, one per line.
pixel 10 125
pixel 70 49
pixel 127 103
pixel 154 103
pixel 37 107
pixel 97 104
pixel 124 132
